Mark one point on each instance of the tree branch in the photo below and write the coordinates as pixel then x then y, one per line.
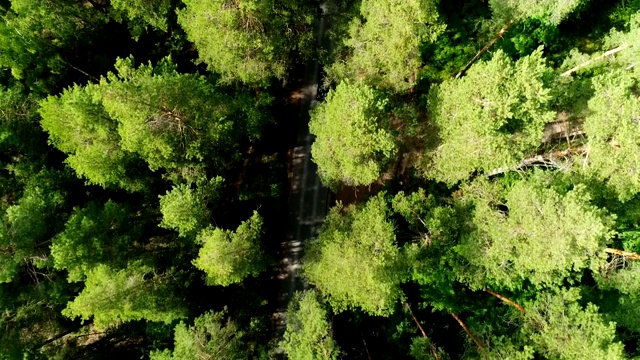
pixel 626 254
pixel 587 63
pixel 431 346
pixel 466 329
pixel 546 159
pixel 506 300
pixel 486 47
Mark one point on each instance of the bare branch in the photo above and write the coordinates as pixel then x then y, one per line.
pixel 506 300
pixel 587 63
pixel 466 329
pixel 424 334
pixel 626 254
pixel 486 47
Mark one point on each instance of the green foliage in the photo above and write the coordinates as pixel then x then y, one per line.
pixel 385 45
pixel 355 260
pixel 245 40
pixel 490 118
pixel 621 278
pixel 308 334
pixel 509 241
pixel 130 294
pixel 168 118
pixel 184 209
pixel 611 127
pixel 172 121
pixel 78 125
pixel 550 11
pixel 562 329
pixel 153 13
pixel 34 35
pixel 94 235
pixel 26 225
pixel 227 257
pixel 211 337
pixel 353 141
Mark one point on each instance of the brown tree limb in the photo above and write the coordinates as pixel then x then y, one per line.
pixel 466 329
pixel 546 159
pixel 626 254
pixel 587 63
pixel 486 47
pixel 365 346
pixel 424 334
pixel 506 300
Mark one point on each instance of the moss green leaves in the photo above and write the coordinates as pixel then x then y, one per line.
pixel 531 233
pixel 210 337
pixel 133 293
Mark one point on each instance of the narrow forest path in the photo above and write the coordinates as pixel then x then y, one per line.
pixel 307 201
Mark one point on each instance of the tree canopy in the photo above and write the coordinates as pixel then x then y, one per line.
pixel 228 257
pixel 356 260
pixel 353 138
pixel 490 118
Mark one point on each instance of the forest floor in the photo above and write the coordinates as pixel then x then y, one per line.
pixel 307 197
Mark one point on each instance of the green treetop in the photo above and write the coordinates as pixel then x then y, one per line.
pixel 549 11
pixel 355 260
pixel 612 131
pixel 490 118
pixel 184 210
pixel 235 38
pixel 211 337
pixel 353 142
pixel 154 13
pixel 385 45
pixel 308 333
pixel 28 224
pixel 560 328
pixel 96 234
pixel 168 118
pixel 130 294
pixel 529 232
pixel 78 125
pixel 227 257
pixel 620 281
pixel 171 121
pixel 34 34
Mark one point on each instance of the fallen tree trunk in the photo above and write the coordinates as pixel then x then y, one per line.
pixel 626 254
pixel 486 47
pixel 506 300
pixel 466 329
pixel 587 63
pixel 545 159
pixel 432 347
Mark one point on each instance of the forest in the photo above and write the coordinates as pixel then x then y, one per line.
pixel 483 171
